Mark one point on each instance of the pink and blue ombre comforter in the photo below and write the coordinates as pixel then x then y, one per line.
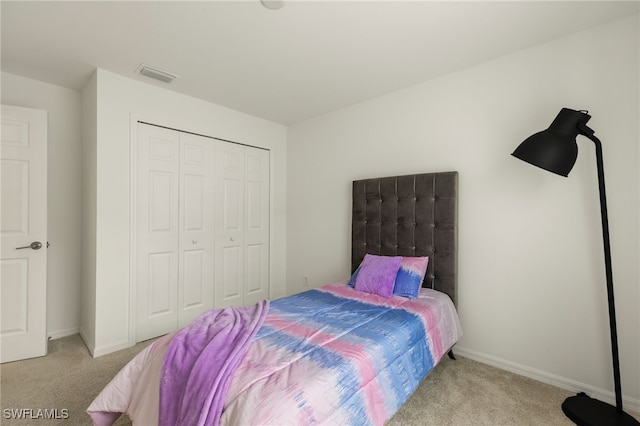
pixel 328 356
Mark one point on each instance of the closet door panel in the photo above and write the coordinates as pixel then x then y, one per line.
pixel 157 231
pixel 229 212
pixel 161 190
pixel 232 273
pixel 232 205
pixel 161 271
pixel 196 245
pixel 256 225
pixel 255 277
pixel 194 296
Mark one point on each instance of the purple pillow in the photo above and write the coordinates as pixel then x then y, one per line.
pixel 377 274
pixel 410 276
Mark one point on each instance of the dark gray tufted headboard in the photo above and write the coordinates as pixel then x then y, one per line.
pixel 413 215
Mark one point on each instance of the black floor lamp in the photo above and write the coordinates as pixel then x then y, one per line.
pixel 555 150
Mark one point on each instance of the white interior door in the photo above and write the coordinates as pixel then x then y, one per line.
pixel 229 245
pixel 157 231
pixel 174 229
pixel 202 227
pixel 196 266
pixel 256 235
pixel 242 225
pixel 23 157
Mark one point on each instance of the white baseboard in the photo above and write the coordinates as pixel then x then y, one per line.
pixel 105 350
pixel 97 351
pixel 629 404
pixel 62 333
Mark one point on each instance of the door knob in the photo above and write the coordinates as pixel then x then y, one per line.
pixel 36 245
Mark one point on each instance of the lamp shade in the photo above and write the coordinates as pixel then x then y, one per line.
pixel 555 148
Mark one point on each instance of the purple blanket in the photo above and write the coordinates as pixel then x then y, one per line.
pixel 201 361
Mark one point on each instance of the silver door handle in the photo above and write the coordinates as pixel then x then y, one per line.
pixel 36 245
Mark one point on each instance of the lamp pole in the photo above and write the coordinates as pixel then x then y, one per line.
pixel 586 131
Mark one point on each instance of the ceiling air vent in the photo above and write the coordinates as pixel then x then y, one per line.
pixel 151 72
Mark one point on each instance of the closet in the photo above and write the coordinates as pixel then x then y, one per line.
pixel 201 227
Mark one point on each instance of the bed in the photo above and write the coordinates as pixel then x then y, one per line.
pixel 345 353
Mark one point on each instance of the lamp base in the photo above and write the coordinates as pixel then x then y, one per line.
pixel 586 411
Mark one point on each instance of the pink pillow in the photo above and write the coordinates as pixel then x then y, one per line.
pixel 410 276
pixel 377 274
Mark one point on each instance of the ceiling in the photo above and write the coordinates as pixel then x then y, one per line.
pixel 287 65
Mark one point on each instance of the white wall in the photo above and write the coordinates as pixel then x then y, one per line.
pixel 119 100
pixel 64 194
pixel 89 216
pixel 531 277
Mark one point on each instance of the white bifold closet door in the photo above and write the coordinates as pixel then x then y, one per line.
pixel 174 229
pixel 202 227
pixel 242 225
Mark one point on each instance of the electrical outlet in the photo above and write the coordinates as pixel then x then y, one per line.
pixel 305 280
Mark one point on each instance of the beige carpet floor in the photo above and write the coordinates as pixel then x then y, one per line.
pixel 460 393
